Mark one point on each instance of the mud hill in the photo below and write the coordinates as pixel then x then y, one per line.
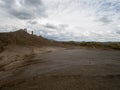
pixel 29 62
pixel 21 37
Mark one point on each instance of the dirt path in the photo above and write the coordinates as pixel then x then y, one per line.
pixel 65 69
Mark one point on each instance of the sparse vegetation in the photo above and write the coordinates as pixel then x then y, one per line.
pixel 102 45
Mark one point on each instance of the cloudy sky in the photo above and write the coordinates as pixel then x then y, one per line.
pixel 63 20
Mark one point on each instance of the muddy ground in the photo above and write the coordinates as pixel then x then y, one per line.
pixel 53 68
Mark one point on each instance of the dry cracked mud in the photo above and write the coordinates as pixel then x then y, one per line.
pixel 63 69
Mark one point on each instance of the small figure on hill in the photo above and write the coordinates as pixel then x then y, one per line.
pixel 32 32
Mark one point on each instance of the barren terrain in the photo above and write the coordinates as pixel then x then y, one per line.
pixel 57 68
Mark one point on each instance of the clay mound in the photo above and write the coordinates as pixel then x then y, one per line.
pixel 21 37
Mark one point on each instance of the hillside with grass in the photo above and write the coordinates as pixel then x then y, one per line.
pixel 99 45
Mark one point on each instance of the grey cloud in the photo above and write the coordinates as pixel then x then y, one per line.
pixel 27 9
pixel 32 2
pixel 7 28
pixel 50 26
pixel 32 22
pixel 55 32
pixel 118 32
pixel 105 20
pixel 63 26
pixel 57 27
pixel 56 35
pixel 22 15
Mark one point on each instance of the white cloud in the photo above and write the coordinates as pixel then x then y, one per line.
pixel 79 20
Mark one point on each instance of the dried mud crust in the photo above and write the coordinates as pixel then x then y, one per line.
pixel 66 70
pixel 66 82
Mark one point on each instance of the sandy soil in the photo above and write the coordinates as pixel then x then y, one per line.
pixel 53 68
